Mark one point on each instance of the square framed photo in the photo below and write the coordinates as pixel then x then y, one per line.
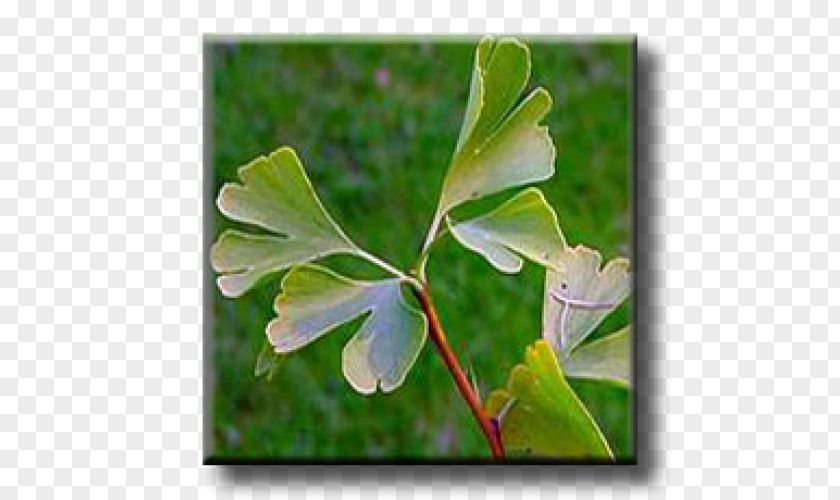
pixel 419 250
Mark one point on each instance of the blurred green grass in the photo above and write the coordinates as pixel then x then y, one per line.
pixel 375 125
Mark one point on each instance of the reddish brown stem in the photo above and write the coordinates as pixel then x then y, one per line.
pixel 439 338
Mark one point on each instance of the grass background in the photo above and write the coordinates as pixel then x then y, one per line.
pixel 375 125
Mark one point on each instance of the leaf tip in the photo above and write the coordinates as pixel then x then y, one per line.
pixel 223 199
pixel 509 268
pixel 284 154
pixel 215 257
pixel 621 264
pixel 544 95
pixel 359 377
pixel 280 338
pixel 518 44
pixel 230 285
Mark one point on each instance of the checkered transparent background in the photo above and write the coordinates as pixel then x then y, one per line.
pixel 100 247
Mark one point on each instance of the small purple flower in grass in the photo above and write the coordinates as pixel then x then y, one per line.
pixel 382 77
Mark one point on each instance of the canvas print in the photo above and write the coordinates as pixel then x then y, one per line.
pixel 419 250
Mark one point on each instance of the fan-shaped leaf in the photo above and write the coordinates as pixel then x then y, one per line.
pixel 316 300
pixel 501 145
pixel 607 358
pixel 579 295
pixel 526 225
pixel 541 416
pixel 276 195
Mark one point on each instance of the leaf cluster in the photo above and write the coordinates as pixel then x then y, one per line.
pixel 501 145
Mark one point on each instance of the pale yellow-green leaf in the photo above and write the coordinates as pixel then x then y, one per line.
pixel 579 277
pixel 316 300
pixel 501 144
pixel 607 358
pixel 275 195
pixel 524 225
pixel 518 152
pixel 541 416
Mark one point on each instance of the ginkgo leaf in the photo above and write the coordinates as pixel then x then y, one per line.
pixel 501 144
pixel 579 295
pixel 275 195
pixel 316 300
pixel 607 358
pixel 541 416
pixel 526 225
pixel 519 152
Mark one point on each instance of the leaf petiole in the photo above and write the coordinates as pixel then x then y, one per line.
pixel 432 235
pixel 389 268
pixel 420 267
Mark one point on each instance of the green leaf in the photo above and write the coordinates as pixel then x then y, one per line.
pixel 519 152
pixel 541 416
pixel 316 300
pixel 607 358
pixel 267 362
pixel 275 195
pixel 501 144
pixel 526 224
pixel 579 295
